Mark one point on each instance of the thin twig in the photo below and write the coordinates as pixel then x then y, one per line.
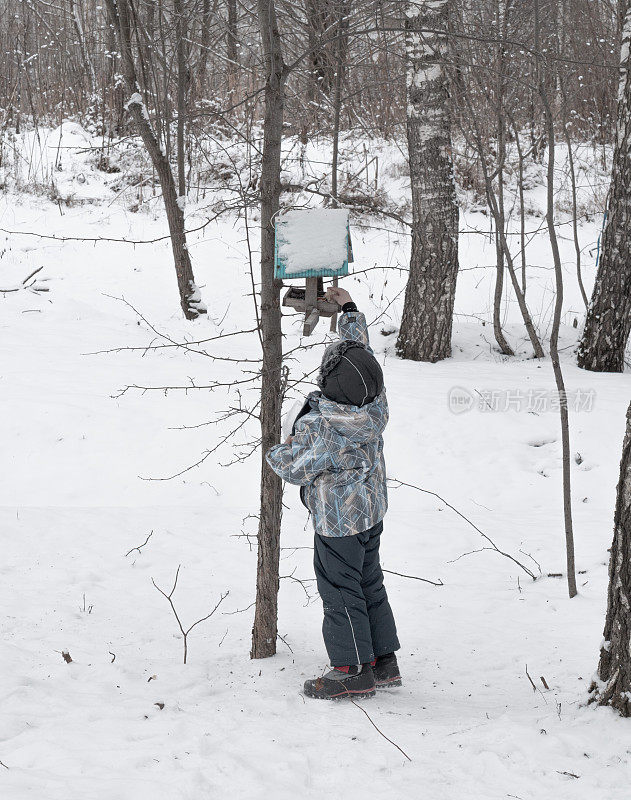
pixel 285 642
pixel 169 597
pixel 414 577
pixel 139 548
pixel 239 610
pixel 23 285
pixel 378 731
pixel 462 516
pixel 35 271
pixel 534 688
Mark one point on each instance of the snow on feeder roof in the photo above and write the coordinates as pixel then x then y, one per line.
pixel 312 243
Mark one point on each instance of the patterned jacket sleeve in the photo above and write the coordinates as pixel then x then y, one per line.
pixel 352 327
pixel 304 459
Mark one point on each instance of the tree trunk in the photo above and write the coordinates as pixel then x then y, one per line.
pixel 264 631
pixel 554 337
pixel 426 324
pixel 182 83
pixel 570 163
pixel 231 46
pixel 501 16
pixel 204 45
pixel 608 320
pixel 342 24
pixel 614 667
pixel 88 66
pixel 190 298
pixel 321 16
pixel 494 209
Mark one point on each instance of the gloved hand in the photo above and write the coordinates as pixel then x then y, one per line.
pixel 338 295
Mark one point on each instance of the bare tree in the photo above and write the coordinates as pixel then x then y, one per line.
pixel 556 322
pixel 182 85
pixel 342 23
pixel 608 320
pixel 264 631
pixel 204 45
pixel 614 668
pixel 87 61
pixel 425 333
pixel 321 16
pixel 190 298
pixel 502 13
pixel 232 42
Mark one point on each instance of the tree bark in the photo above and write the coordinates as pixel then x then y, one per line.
pixel 425 333
pixel 614 667
pixel 608 322
pixel 264 631
pixel 190 298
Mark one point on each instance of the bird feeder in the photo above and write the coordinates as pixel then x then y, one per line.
pixel 312 244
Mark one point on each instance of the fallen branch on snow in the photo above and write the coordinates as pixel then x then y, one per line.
pixel 414 577
pixel 487 538
pixel 378 731
pixel 26 285
pixel 140 546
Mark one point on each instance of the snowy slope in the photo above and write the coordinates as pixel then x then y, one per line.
pixel 75 501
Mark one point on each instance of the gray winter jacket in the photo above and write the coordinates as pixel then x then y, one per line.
pixel 336 454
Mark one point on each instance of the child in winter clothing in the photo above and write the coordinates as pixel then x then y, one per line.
pixel 335 454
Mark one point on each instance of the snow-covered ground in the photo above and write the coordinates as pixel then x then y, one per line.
pixel 127 719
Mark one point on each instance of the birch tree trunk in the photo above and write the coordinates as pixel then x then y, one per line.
pixel 614 668
pixel 608 320
pixel 264 631
pixel 190 299
pixel 425 333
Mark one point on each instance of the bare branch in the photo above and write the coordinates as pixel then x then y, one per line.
pixel 492 544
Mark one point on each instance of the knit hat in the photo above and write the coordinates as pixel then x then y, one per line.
pixel 350 374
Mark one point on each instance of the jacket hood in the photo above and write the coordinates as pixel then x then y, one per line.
pixel 358 424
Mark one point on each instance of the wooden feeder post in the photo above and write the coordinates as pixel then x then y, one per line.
pixel 312 315
pixel 312 244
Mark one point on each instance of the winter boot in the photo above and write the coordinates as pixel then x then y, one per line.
pixel 386 671
pixel 342 682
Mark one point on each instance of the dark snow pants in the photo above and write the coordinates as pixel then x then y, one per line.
pixel 358 622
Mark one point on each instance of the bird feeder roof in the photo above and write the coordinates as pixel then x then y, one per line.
pixel 313 243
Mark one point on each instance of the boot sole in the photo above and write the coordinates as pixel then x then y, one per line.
pixel 348 693
pixel 389 684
